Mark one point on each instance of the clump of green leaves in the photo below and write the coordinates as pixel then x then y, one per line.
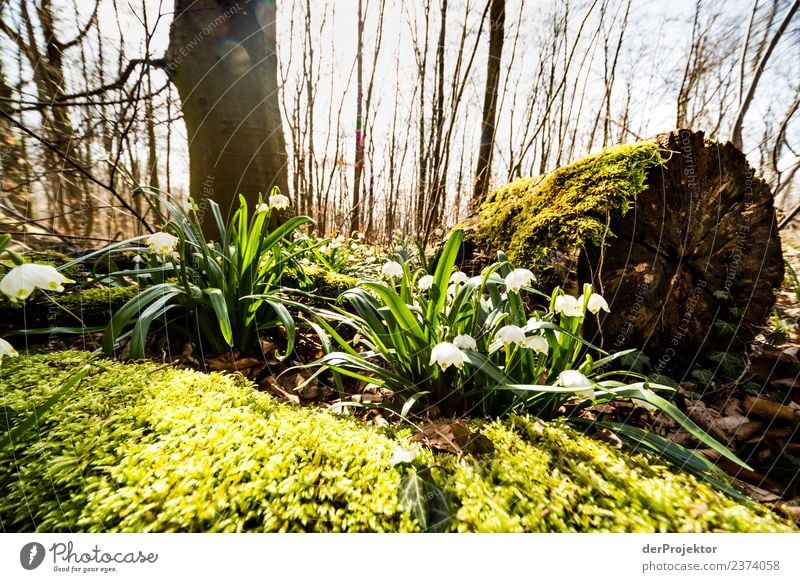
pixel 472 344
pixel 219 293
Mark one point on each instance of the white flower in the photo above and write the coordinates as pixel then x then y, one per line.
pixel 263 207
pixel 458 277
pixel 392 269
pixel 446 354
pixel 511 334
pixel 537 343
pixel 358 235
pixel 425 282
pixel 576 380
pixel 279 201
pixel 324 249
pixel 517 279
pixel 20 281
pixel 438 232
pixel 137 259
pixel 595 304
pixel 569 306
pixel 465 342
pixel 451 290
pixel 6 349
pixel 403 456
pixel 162 243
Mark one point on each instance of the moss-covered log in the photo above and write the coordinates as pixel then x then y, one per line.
pixel 676 232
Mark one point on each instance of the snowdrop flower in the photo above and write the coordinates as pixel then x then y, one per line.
pixel 446 354
pixel 137 259
pixel 438 232
pixel 465 342
pixel 6 349
pixel 451 290
pixel 511 334
pixel 162 243
pixel 392 269
pixel 569 306
pixel 278 201
pixel 358 235
pixel 576 380
pixel 324 249
pixel 537 343
pixel 595 304
pixel 20 281
pixel 458 277
pixel 517 279
pixel 263 207
pixel 425 282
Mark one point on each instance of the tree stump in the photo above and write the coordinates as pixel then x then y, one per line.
pixel 690 266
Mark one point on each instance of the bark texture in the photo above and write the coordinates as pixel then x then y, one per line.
pixel 222 59
pixel 689 259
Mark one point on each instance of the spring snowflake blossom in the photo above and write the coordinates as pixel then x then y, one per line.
pixel 537 343
pixel 465 342
pixel 20 281
pixel 577 381
pixel 6 349
pixel 392 269
pixel 279 201
pixel 458 277
pixel 511 334
pixel 595 304
pixel 425 282
pixel 568 305
pixel 446 354
pixel 162 243
pixel 517 279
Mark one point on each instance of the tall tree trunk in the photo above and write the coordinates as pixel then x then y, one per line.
pixel 222 60
pixel 358 169
pixel 497 15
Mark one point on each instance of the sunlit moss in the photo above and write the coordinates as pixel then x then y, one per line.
pixel 142 447
pixel 568 208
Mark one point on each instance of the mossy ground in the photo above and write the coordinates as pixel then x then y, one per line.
pixel 141 447
pixel 568 208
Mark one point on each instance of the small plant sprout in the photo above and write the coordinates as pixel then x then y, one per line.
pixel 278 201
pixel 21 281
pixel 595 303
pixel 6 349
pixel 465 342
pixel 425 282
pixel 392 269
pixel 517 279
pixel 446 354
pixel 162 243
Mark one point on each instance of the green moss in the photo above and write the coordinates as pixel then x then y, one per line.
pixel 150 448
pixel 93 306
pixel 323 282
pixel 568 208
pixel 545 478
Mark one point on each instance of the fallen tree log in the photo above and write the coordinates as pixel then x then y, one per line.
pixel 676 232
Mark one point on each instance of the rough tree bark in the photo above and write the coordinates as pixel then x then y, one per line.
pixel 222 60
pixel 692 265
